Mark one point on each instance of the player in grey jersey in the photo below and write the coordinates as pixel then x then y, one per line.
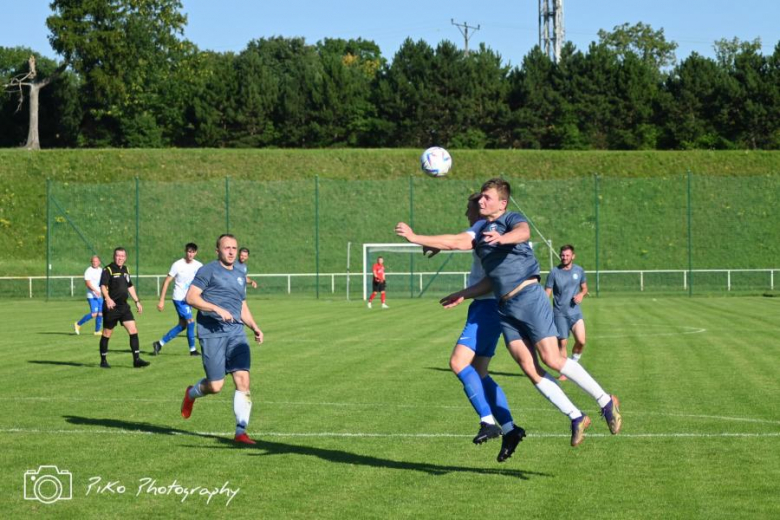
pixel 513 274
pixel 218 291
pixel 567 284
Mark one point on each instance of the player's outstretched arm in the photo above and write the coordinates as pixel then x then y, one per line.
pixel 460 242
pixel 249 321
pixel 194 299
pixel 484 286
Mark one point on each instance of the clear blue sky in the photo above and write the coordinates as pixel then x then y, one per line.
pixel 508 27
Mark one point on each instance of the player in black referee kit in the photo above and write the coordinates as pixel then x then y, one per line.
pixel 115 285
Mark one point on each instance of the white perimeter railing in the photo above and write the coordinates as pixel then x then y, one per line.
pixel 77 282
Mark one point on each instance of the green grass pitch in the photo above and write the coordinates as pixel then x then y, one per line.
pixel 357 416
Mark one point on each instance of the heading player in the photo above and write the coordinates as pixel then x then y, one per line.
pixel 513 275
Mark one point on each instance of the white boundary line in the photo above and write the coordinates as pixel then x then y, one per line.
pixel 386 435
pixel 692 330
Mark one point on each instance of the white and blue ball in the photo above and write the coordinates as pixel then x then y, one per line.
pixel 436 161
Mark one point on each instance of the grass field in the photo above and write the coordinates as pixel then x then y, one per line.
pixel 357 416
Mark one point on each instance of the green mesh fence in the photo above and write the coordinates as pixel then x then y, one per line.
pixel 672 235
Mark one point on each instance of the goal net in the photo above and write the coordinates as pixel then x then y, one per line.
pixel 410 273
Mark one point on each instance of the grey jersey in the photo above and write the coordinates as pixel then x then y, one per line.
pixel 225 288
pixel 508 265
pixel 565 284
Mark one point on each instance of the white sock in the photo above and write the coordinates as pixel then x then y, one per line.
pixel 195 391
pixel 576 357
pixel 161 342
pixel 549 388
pixel 581 378
pixel 508 427
pixel 242 407
pixel 488 419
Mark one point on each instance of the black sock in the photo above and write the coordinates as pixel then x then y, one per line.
pixel 134 345
pixel 103 347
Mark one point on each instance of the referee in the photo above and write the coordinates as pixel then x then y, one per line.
pixel 115 285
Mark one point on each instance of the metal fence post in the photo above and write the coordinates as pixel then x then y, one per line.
pixel 227 204
pixel 48 241
pixel 690 238
pixel 317 233
pixel 411 223
pixel 596 207
pixel 137 232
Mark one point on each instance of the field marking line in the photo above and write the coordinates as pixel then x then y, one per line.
pixel 692 330
pixel 691 435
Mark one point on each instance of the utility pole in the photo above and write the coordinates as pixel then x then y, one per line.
pixel 551 33
pixel 464 30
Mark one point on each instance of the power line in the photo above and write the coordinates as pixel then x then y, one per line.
pixel 464 30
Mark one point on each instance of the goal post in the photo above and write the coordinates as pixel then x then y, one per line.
pixel 419 280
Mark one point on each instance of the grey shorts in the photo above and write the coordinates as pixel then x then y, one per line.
pixel 565 323
pixel 224 355
pixel 527 315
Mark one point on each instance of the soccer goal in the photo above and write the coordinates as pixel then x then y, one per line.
pixel 406 268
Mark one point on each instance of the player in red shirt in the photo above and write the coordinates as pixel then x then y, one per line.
pixel 379 282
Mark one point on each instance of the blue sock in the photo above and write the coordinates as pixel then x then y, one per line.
pixel 98 323
pixel 172 333
pixel 472 385
pixel 191 335
pixel 84 319
pixel 497 400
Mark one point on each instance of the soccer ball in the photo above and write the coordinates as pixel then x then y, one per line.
pixel 436 161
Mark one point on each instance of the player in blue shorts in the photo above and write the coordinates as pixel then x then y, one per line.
pixel 94 297
pixel 472 355
pixel 181 273
pixel 219 293
pixel 567 284
pixel 512 273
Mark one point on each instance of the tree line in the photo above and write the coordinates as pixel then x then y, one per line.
pixel 131 80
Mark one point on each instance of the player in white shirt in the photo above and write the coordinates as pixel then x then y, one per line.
pixel 94 297
pixel 182 272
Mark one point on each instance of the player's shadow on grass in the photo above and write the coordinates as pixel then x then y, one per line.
pixel 265 447
pixel 62 363
pixel 492 373
pixel 57 333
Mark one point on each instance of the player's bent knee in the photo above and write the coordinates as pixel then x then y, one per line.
pixel 214 387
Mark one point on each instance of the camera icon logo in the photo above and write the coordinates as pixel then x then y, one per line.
pixel 48 484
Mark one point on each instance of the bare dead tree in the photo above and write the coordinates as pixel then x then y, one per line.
pixel 18 83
